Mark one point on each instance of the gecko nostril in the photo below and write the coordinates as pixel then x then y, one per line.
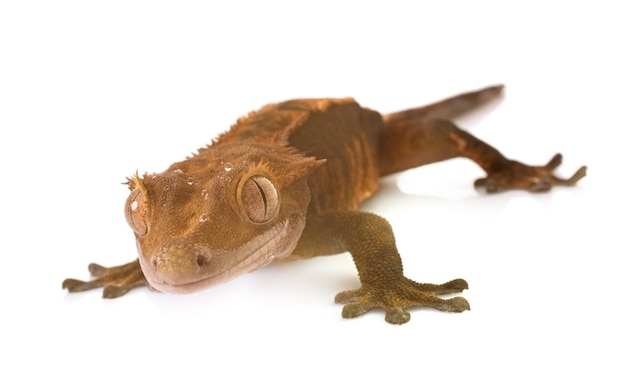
pixel 201 260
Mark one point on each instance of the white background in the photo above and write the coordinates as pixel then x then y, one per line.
pixel 92 91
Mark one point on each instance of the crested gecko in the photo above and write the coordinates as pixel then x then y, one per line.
pixel 285 183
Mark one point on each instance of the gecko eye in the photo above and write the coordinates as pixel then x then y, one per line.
pixel 136 210
pixel 260 199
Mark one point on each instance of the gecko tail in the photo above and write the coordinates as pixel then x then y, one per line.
pixel 449 108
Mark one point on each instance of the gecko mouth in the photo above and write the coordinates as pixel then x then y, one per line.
pixel 190 270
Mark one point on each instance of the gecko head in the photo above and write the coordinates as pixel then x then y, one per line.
pixel 217 215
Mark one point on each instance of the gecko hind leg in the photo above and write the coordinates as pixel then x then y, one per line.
pixel 439 140
pixel 430 132
pixel 115 281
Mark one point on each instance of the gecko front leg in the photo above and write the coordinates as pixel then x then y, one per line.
pixel 115 281
pixel 369 239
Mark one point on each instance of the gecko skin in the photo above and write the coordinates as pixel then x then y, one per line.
pixel 285 183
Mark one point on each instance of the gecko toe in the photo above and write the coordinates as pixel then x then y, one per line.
pixel 455 305
pixel 96 270
pixel 113 291
pixel 72 285
pixel 455 286
pixel 356 309
pixel 348 296
pixel 397 316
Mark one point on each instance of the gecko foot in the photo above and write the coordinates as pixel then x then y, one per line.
pixel 115 281
pixel 395 298
pixel 516 175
